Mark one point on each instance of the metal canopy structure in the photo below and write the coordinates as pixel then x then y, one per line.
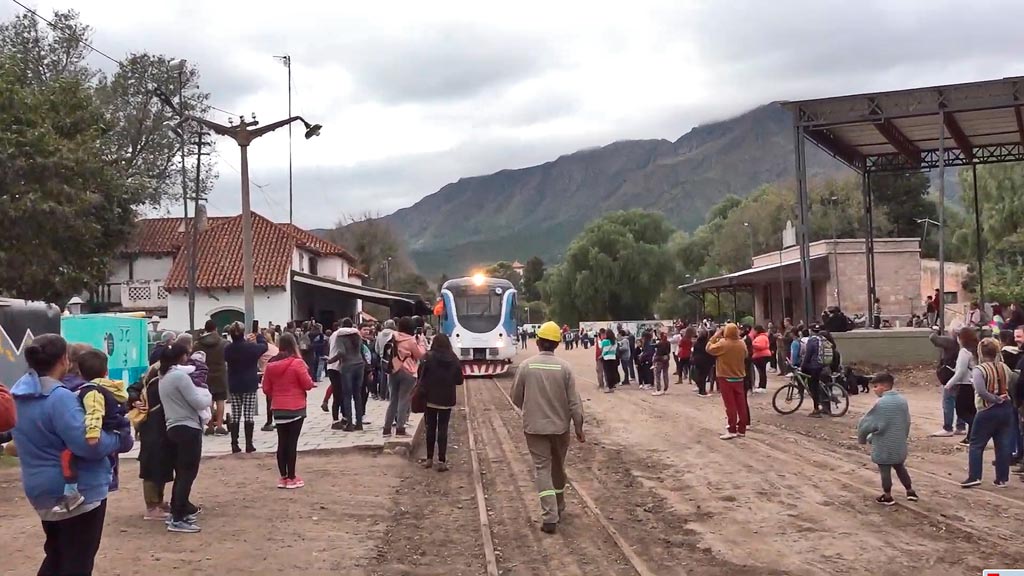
pixel 908 131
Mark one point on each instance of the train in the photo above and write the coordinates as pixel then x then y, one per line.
pixel 479 315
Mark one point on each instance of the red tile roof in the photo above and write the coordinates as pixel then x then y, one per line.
pixel 160 235
pixel 219 256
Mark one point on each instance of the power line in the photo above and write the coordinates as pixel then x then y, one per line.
pixel 268 199
pixel 81 40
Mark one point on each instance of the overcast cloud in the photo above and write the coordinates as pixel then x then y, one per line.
pixel 413 95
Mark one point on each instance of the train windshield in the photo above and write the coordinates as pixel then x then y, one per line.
pixel 478 309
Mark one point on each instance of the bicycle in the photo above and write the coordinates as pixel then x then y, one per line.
pixel 790 397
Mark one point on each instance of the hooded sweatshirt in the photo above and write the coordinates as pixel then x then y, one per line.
pixel 730 353
pixel 50 419
pixel 213 345
pixel 408 352
pixel 242 357
pixel 350 344
pixel 382 339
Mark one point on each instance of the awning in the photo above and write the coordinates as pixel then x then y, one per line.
pixel 367 293
pixel 761 275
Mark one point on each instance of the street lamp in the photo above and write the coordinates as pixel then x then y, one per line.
pixel 750 234
pixel 243 136
pixel 835 251
pixel 74 306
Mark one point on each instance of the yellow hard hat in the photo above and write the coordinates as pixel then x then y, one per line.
pixel 550 331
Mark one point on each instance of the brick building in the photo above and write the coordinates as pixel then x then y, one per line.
pixel 839 278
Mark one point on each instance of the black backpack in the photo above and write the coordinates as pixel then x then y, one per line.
pixel 388 354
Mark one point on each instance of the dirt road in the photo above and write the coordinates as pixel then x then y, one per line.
pixel 794 497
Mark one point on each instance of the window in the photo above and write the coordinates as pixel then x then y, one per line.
pixel 950 298
pixel 313 266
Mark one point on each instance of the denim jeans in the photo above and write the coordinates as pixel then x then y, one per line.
pixel 351 392
pixel 401 383
pixel 993 423
pixel 949 411
pixel 628 370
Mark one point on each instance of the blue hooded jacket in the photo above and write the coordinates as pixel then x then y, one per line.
pixel 50 419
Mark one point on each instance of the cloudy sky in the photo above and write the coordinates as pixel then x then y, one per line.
pixel 413 95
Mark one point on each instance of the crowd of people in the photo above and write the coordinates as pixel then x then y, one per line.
pixel 69 421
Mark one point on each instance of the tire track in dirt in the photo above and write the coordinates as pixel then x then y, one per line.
pixel 811 488
pixel 659 533
pixel 581 545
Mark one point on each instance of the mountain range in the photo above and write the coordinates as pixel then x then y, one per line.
pixel 538 210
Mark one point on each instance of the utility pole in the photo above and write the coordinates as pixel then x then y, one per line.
pixel 194 241
pixel 243 135
pixel 287 61
pixel 387 274
pixel 179 67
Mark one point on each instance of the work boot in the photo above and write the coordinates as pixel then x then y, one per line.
pixel 549 527
pixel 250 428
pixel 233 431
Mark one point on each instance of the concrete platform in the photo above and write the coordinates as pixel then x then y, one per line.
pixel 316 431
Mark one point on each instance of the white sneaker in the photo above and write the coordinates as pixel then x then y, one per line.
pixel 728 436
pixel 942 434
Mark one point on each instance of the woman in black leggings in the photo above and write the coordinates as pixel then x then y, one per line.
pixel 441 373
pixel 286 382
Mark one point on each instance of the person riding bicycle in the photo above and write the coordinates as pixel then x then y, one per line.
pixel 818 356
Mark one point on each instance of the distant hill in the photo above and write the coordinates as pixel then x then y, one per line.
pixel 515 214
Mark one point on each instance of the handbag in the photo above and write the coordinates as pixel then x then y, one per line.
pixel 138 415
pixel 418 399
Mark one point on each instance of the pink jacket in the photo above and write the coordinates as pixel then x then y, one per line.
pixel 408 353
pixel 762 348
pixel 286 382
pixel 7 414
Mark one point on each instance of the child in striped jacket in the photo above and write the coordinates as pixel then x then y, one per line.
pixel 887 426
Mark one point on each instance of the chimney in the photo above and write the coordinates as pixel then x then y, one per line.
pixel 201 222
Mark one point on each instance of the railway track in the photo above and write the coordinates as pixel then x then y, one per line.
pixel 508 506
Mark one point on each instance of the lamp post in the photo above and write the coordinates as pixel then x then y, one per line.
pixel 835 250
pixel 750 235
pixel 243 135
pixel 74 306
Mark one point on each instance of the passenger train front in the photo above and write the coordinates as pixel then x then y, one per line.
pixel 480 318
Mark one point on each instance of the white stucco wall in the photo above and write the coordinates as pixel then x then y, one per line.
pixel 144 268
pixel 272 305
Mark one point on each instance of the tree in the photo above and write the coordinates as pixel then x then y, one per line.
pixel 1001 198
pixel 444 278
pixel 378 250
pixel 148 153
pixel 135 137
pixel 505 271
pixel 904 197
pixel 615 269
pixel 45 56
pixel 64 208
pixel 533 273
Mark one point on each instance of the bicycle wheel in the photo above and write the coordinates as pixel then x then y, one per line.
pixel 788 399
pixel 839 400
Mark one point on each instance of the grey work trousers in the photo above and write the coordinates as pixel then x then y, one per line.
pixel 548 452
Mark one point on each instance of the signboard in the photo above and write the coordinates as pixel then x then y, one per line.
pixel 124 339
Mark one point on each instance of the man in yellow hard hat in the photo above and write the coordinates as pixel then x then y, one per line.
pixel 545 390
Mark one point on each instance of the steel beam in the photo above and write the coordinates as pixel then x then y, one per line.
pixel 898 140
pixel 803 237
pixel 1020 122
pixel 827 141
pixel 959 136
pixel 990 154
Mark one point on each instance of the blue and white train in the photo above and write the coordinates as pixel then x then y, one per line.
pixel 480 318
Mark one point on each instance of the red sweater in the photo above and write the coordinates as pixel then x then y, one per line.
pixel 7 414
pixel 761 345
pixel 286 382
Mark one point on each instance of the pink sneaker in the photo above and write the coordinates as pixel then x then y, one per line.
pixel 295 483
pixel 283 483
pixel 155 514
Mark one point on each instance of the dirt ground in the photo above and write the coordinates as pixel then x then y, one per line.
pixel 794 497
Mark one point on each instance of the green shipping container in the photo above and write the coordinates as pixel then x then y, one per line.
pixel 124 339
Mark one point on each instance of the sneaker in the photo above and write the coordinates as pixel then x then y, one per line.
pixel 966 441
pixel 549 527
pixel 912 496
pixel 1001 484
pixel 741 435
pixel 295 483
pixel 699 395
pixel 220 431
pixel 960 432
pixel 183 527
pixel 427 463
pixel 815 414
pixel 358 428
pixel 609 390
pixel 387 431
pixel 728 436
pixel 886 500
pixel 970 483
pixel 942 434
pixel 350 428
pixel 268 427
pixel 338 425
pixel 208 432
pixel 282 483
pixel 442 466
pixel 69 502
pixel 324 407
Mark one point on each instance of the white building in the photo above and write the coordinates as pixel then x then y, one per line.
pixel 297 275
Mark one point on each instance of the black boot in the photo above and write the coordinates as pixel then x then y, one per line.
pixel 233 430
pixel 250 427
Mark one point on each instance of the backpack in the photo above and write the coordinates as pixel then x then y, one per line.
pixel 388 354
pixel 622 349
pixel 826 352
